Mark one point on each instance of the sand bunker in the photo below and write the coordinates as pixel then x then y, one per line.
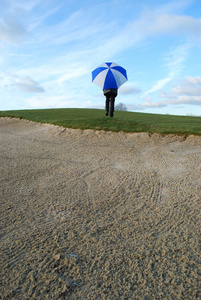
pixel 98 215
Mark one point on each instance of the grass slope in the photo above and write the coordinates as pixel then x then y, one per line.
pixel 122 121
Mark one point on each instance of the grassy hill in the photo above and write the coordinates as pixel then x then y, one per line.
pixel 122 120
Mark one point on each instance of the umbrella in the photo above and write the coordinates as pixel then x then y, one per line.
pixel 109 76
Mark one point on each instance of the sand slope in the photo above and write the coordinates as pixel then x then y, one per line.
pixel 98 215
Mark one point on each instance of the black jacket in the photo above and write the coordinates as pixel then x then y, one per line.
pixel 110 91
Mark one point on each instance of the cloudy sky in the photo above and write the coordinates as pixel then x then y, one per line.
pixel 49 49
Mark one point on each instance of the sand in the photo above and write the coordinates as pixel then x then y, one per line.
pixel 98 215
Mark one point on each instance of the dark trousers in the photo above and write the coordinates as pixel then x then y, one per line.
pixel 109 104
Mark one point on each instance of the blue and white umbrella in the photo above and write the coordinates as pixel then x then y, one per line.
pixel 109 76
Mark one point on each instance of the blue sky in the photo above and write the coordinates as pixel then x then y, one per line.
pixel 49 49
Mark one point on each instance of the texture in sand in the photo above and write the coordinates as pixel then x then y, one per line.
pixel 98 215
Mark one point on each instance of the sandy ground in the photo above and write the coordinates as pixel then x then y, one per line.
pixel 98 215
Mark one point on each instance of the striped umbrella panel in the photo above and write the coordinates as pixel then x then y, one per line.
pixel 109 76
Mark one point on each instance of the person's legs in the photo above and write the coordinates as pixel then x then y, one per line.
pixel 112 100
pixel 107 104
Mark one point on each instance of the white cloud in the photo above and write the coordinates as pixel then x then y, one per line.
pixel 152 24
pixel 12 28
pixel 188 92
pixel 50 101
pixel 185 99
pixel 112 39
pixel 128 89
pixel 153 104
pixel 175 59
pixel 28 85
pixel 157 86
pixel 23 83
pixel 174 62
pixel 194 80
pixel 172 6
pixel 189 86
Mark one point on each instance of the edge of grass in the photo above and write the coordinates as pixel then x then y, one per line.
pixel 125 121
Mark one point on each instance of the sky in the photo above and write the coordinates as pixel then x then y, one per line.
pixel 49 48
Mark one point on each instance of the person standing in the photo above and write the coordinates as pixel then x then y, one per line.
pixel 109 76
pixel 110 95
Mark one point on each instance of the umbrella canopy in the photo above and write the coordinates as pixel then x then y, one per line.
pixel 109 76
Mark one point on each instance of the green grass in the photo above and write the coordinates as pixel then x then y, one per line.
pixel 122 120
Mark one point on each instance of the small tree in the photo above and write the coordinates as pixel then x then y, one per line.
pixel 121 106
